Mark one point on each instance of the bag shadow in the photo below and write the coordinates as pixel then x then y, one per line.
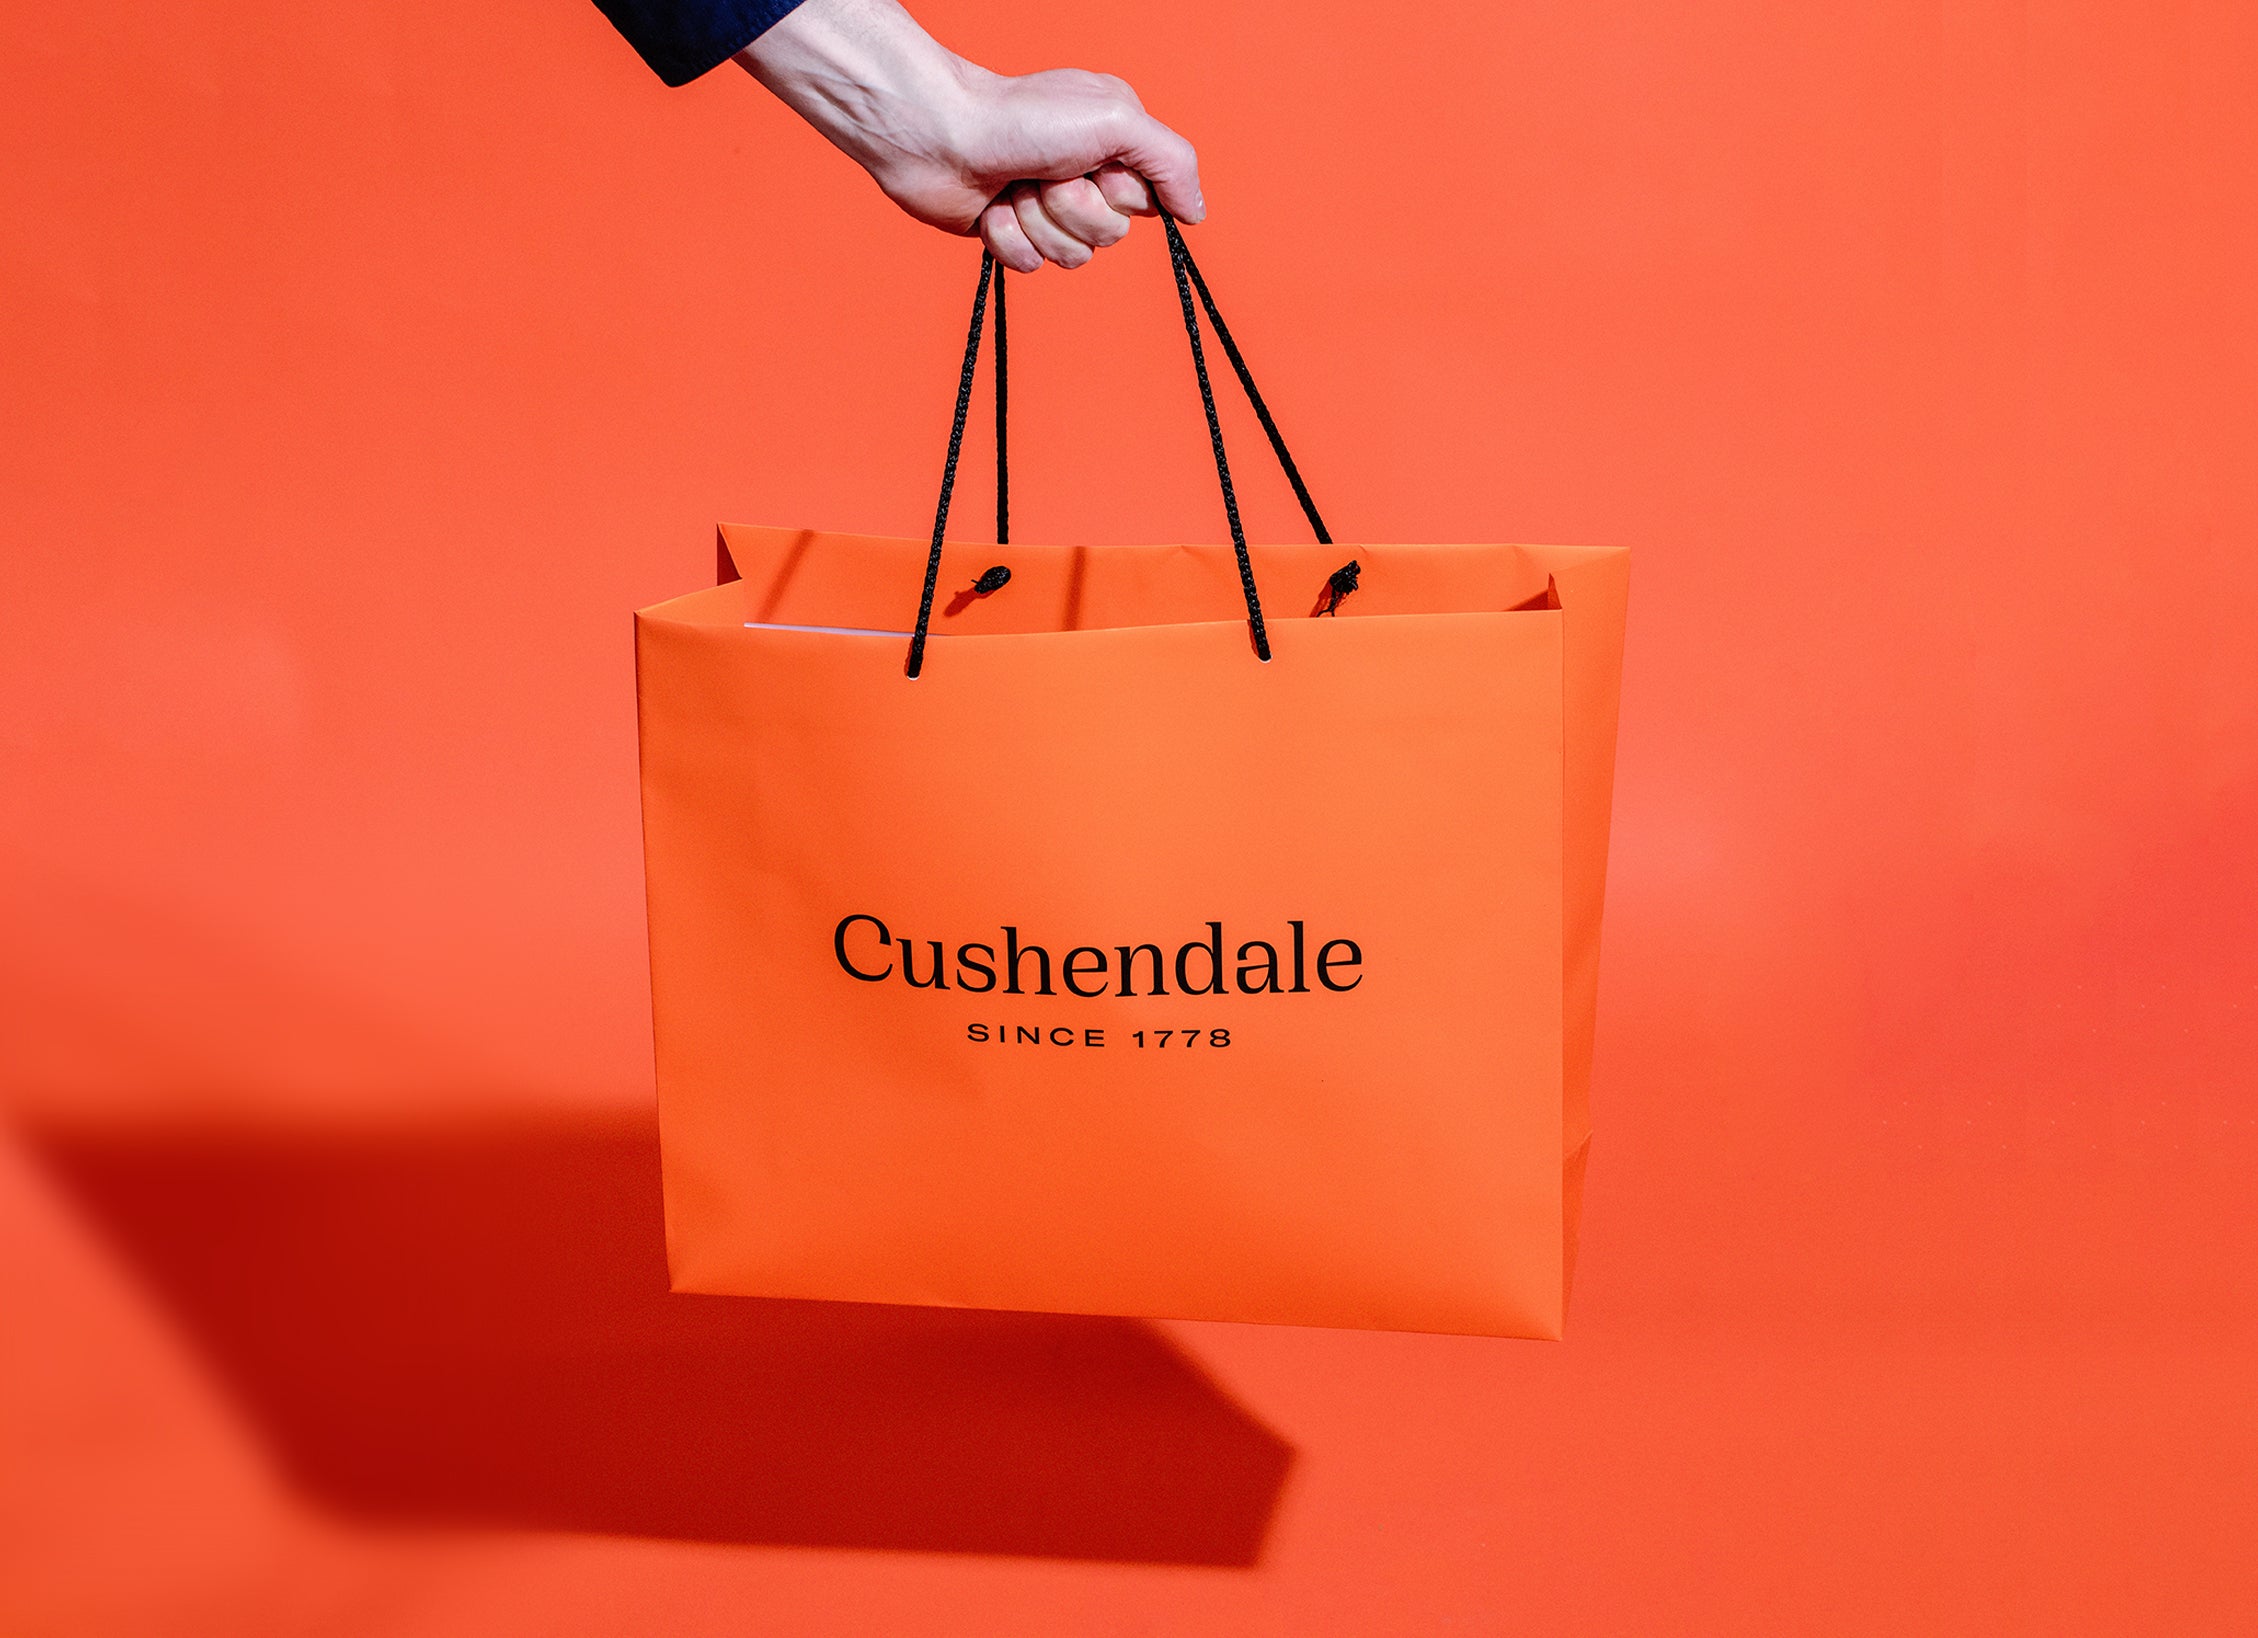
pixel 473 1329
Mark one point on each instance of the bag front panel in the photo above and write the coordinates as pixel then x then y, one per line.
pixel 1341 872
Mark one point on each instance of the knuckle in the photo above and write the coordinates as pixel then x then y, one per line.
pixel 1119 118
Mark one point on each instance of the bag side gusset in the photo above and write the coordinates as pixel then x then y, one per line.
pixel 1593 585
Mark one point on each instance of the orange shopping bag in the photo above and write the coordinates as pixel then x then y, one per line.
pixel 1173 931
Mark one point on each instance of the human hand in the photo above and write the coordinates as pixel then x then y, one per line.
pixel 1044 167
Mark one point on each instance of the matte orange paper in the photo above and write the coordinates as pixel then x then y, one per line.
pixel 1105 968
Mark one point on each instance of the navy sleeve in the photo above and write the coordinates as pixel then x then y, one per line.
pixel 681 39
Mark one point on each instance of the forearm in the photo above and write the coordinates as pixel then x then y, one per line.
pixel 870 79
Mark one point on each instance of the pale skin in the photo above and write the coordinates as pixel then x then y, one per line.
pixel 1049 167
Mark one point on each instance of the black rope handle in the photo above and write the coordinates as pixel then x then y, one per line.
pixel 1178 259
pixel 1003 400
pixel 1246 380
pixel 1188 280
pixel 949 469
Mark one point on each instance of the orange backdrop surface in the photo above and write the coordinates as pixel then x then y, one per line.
pixel 365 364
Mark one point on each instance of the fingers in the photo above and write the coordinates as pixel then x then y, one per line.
pixel 1056 244
pixel 1162 158
pixel 1063 222
pixel 1123 189
pixel 1080 207
pixel 1001 233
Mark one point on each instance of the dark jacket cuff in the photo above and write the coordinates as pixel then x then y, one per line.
pixel 681 39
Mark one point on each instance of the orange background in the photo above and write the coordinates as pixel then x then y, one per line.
pixel 364 365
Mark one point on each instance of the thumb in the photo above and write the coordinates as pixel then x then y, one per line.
pixel 1163 159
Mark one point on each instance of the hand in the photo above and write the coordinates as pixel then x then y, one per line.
pixel 1044 167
